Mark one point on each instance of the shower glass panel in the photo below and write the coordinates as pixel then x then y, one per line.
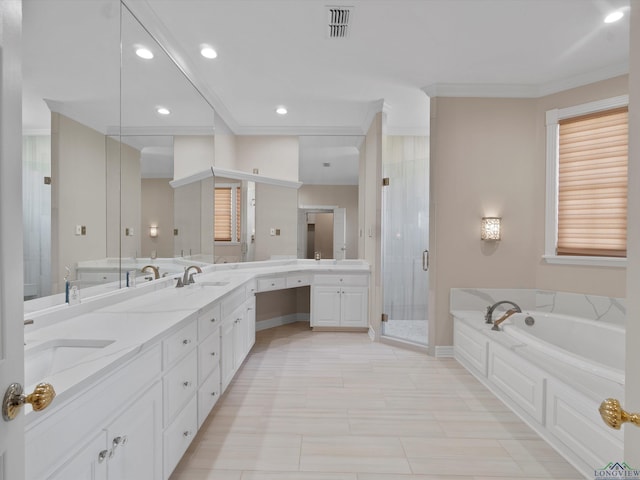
pixel 405 237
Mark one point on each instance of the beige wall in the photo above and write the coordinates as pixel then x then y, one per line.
pixel 273 156
pixel 224 145
pixel 276 207
pixel 488 158
pixel 130 202
pixel 345 196
pixel 632 385
pixel 192 154
pixel 187 204
pixel 157 209
pixel 370 192
pixel 78 195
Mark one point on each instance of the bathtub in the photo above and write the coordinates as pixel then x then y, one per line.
pixel 553 374
pixel 594 346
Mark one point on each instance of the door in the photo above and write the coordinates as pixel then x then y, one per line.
pixel 353 305
pixel 339 233
pixel 405 237
pixel 11 265
pixel 325 306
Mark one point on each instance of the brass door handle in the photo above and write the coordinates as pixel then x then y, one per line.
pixel 614 416
pixel 14 399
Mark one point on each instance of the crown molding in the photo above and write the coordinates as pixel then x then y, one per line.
pixel 299 130
pixel 161 131
pixel 505 90
pixel 234 174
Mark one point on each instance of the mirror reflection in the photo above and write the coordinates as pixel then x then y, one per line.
pixel 328 198
pixel 100 152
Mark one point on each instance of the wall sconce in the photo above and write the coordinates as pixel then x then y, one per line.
pixel 153 231
pixel 490 228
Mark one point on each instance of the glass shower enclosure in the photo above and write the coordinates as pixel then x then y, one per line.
pixel 405 238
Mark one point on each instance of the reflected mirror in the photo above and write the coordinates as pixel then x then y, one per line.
pixel 328 198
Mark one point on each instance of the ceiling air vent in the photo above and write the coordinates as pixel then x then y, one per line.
pixel 339 18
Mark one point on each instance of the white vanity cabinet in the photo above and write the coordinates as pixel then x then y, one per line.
pixel 208 360
pixel 111 431
pixel 237 335
pixel 339 301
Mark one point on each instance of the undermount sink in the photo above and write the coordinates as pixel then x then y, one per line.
pixel 53 356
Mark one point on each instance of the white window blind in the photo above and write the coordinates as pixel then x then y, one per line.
pixel 592 184
pixel 227 214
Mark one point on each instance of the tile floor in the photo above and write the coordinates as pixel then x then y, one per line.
pixel 335 406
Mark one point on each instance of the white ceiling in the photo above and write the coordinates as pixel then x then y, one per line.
pixel 274 53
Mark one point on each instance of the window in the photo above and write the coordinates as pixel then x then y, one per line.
pixel 227 213
pixel 587 183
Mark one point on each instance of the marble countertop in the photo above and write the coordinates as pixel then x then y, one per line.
pixel 128 324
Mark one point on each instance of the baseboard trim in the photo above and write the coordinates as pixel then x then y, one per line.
pixel 279 321
pixel 445 351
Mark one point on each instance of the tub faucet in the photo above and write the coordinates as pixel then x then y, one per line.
pixel 186 280
pixel 507 314
pixel 156 270
pixel 489 314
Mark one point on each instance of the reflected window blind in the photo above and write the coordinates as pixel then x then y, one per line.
pixel 592 184
pixel 222 214
pixel 238 210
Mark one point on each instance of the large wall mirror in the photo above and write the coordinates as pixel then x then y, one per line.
pixel 99 153
pixel 328 199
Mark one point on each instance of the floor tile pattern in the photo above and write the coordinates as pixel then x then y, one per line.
pixel 336 406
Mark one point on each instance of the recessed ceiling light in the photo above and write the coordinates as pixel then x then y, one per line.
pixel 163 111
pixel 145 53
pixel 281 110
pixel 614 16
pixel 208 52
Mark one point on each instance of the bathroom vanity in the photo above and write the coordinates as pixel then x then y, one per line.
pixel 138 372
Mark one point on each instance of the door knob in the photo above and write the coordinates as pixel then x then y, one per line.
pixel 40 399
pixel 614 416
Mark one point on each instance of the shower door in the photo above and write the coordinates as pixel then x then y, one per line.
pixel 405 237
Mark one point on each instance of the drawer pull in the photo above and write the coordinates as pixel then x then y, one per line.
pixel 299 281
pixel 213 394
pixel 186 341
pixel 186 434
pixel 213 320
pixel 186 384
pixel 213 354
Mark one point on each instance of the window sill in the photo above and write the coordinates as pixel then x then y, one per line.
pixel 585 261
pixel 226 244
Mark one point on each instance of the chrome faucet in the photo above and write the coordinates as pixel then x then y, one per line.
pixel 489 314
pixel 156 270
pixel 507 314
pixel 186 279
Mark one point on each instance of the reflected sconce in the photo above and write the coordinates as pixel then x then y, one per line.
pixel 153 231
pixel 490 228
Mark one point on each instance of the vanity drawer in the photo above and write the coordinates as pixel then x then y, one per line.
pixel 208 355
pixel 273 283
pixel 179 435
pixel 178 344
pixel 350 280
pixel 208 395
pixel 298 280
pixel 209 321
pixel 179 384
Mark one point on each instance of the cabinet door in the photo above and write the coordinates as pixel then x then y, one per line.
pixel 353 307
pixel 251 323
pixel 135 439
pixel 239 337
pixel 325 306
pixel 89 464
pixel 227 368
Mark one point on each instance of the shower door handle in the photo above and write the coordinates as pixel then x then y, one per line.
pixel 425 260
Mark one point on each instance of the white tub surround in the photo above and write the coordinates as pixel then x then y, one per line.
pixel 138 370
pixel 552 374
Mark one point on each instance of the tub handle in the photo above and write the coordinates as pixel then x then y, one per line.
pixel 614 416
